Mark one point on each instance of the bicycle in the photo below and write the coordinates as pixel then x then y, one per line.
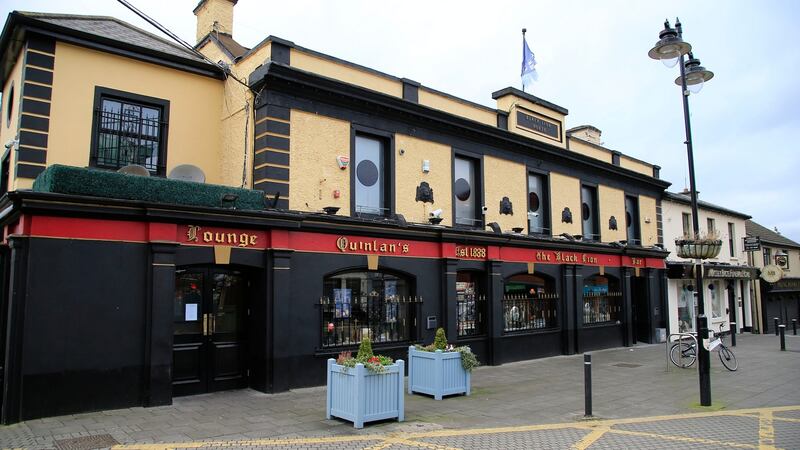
pixel 684 355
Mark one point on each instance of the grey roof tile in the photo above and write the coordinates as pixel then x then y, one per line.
pixel 767 235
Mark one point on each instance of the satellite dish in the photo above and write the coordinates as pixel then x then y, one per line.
pixel 135 169
pixel 187 172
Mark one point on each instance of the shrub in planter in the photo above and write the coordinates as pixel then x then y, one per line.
pixel 440 369
pixel 365 388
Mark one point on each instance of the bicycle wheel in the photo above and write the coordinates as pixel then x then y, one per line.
pixel 682 355
pixel 728 359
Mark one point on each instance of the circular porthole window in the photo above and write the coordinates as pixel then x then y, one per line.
pixel 9 105
pixel 628 219
pixel 463 189
pixel 533 201
pixel 367 173
pixel 585 211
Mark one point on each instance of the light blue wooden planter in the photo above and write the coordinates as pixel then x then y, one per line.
pixel 436 373
pixel 358 395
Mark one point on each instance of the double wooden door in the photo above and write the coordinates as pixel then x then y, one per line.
pixel 210 315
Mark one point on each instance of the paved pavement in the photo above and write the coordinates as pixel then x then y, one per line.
pixel 638 403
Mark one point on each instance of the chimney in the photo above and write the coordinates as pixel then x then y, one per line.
pixel 588 133
pixel 214 16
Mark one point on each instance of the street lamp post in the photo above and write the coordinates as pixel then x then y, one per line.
pixel 670 49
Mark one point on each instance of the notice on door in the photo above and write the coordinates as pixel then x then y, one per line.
pixel 190 314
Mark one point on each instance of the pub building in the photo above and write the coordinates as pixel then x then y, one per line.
pixel 372 205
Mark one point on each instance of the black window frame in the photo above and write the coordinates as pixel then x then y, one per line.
pixel 544 202
pixel 686 222
pixel 635 220
pixel 104 93
pixel 479 220
pixel 388 142
pixel 594 214
pixel 9 101
pixel 767 253
pixel 479 314
pixel 732 239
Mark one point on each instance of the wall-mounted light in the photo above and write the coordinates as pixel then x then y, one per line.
pixel 229 200
pixel 495 227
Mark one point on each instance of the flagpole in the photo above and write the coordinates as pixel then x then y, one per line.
pixel 523 46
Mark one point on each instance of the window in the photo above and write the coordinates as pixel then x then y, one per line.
pixel 371 178
pixel 716 300
pixel 712 228
pixel 529 303
pixel 767 256
pixel 732 239
pixel 686 308
pixel 9 104
pixel 374 304
pixel 589 213
pixel 471 304
pixel 687 224
pixel 467 192
pixel 632 220
pixel 538 205
pixel 785 265
pixel 129 129
pixel 602 300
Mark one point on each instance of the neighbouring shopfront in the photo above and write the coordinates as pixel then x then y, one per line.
pixel 780 300
pixel 111 304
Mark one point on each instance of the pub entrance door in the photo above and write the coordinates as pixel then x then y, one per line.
pixel 210 316
pixel 641 310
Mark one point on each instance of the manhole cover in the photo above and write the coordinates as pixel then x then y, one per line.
pixel 628 365
pixel 86 442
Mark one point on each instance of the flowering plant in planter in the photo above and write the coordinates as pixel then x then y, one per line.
pixel 700 246
pixel 440 369
pixel 373 363
pixel 468 359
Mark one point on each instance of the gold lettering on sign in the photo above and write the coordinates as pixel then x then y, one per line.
pixel 470 252
pixel 344 245
pixel 637 261
pixel 542 256
pixel 209 237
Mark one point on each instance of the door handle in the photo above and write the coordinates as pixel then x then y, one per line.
pixel 205 324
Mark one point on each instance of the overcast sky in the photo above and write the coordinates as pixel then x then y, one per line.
pixel 592 59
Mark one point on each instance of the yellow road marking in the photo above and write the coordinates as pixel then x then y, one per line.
pixel 766 432
pixel 590 438
pixel 596 428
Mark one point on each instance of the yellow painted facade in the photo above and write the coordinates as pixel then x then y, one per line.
pixel 409 174
pixel 636 166
pixel 211 11
pixel 583 148
pixel 648 221
pixel 511 103
pixel 314 176
pixel 348 74
pixel 612 203
pixel 450 105
pixel 503 178
pixel 195 102
pixel 565 191
pixel 8 129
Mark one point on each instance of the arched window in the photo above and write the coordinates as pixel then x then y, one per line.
pixel 530 302
pixel 375 304
pixel 602 300
pixel 471 304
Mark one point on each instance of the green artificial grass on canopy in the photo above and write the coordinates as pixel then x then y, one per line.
pixel 100 183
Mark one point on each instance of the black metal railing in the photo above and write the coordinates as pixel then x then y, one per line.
pixel 382 319
pixel 602 307
pixel 124 139
pixel 530 312
pixel 471 314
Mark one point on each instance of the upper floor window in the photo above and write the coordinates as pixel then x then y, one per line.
pixel 467 192
pixel 712 227
pixel 589 213
pixel 371 180
pixel 732 239
pixel 538 204
pixel 767 256
pixel 687 224
pixel 632 220
pixel 129 129
pixel 9 98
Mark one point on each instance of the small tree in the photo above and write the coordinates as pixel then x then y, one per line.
pixel 440 341
pixel 364 350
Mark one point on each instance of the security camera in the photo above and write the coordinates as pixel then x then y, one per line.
pixel 484 209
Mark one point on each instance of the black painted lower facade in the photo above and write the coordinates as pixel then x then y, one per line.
pixel 93 321
pixel 781 301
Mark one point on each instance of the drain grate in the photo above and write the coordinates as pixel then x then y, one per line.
pixel 627 365
pixel 86 442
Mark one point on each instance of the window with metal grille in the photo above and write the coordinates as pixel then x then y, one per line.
pixel 530 303
pixel 602 300
pixel 129 129
pixel 471 304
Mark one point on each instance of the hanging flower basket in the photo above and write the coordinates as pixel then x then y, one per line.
pixel 698 248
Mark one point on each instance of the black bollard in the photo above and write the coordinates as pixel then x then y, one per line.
pixel 794 327
pixel 776 326
pixel 783 337
pixel 587 384
pixel 733 334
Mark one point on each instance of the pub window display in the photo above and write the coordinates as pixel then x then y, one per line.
pixel 470 304
pixel 529 303
pixel 602 300
pixel 374 304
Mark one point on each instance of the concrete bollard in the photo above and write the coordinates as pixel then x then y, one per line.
pixel 783 337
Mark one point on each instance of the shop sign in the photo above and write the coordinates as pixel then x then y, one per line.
pixel 752 244
pixel 787 284
pixel 200 235
pixel 536 124
pixel 771 273
pixel 728 272
pixel 345 245
pixel 566 257
pixel 470 252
